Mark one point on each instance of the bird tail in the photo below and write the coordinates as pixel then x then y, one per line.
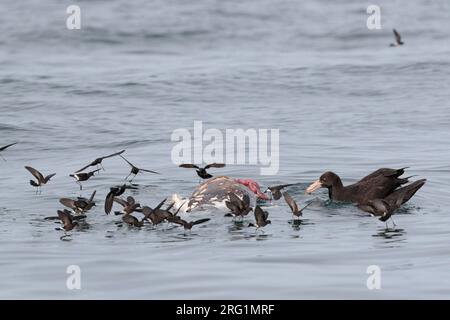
pixel 402 195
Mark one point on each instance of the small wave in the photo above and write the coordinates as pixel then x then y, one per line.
pixel 8 127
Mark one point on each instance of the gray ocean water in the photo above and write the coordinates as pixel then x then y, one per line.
pixel 137 70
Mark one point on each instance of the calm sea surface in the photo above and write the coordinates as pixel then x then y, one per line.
pixel 341 97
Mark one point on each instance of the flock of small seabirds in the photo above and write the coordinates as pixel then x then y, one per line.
pixel 380 193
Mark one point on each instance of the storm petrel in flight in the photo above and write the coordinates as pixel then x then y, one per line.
pixel 398 39
pixel 261 218
pixel 41 180
pixel 202 171
pixel 135 170
pixel 83 176
pixel 276 190
pixel 98 162
pixel 293 205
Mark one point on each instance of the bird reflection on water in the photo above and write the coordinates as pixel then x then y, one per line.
pixel 391 236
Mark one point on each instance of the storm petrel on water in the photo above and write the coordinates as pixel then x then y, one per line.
pixel 83 176
pixel 41 180
pixel 98 162
pixel 135 170
pixel 202 171
pixel 158 215
pixel 132 221
pixel 6 147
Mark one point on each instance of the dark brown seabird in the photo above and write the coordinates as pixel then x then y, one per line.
pixel 398 39
pixel 135 170
pixel 385 208
pixel 129 205
pixel 261 218
pixel 41 180
pixel 276 190
pixel 76 218
pixel 132 220
pixel 377 185
pixel 156 215
pixel 114 192
pixel 293 205
pixel 201 172
pixel 188 225
pixel 67 220
pixel 83 176
pixel 81 205
pixel 239 207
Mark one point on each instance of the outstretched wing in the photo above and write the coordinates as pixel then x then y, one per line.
pixel 113 154
pixel 35 173
pixel 290 202
pixel 92 196
pixel 306 206
pixel 199 221
pixel 178 210
pixel 47 178
pixel 181 222
pixel 170 206
pixel 131 165
pixel 84 168
pixel 6 147
pixel 69 203
pixel 94 171
pixel 149 171
pixel 120 201
pixel 398 38
pixel 65 217
pixel 109 202
pixel 160 204
pixel 281 186
pixel 188 165
pixel 215 165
